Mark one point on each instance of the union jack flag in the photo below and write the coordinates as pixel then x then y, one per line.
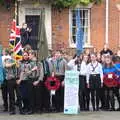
pixel 15 40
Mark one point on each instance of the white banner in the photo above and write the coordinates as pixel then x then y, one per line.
pixel 71 104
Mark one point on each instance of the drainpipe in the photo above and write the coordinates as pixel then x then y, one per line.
pixel 107 22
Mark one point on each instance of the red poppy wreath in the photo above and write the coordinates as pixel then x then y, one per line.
pixel 110 80
pixel 52 83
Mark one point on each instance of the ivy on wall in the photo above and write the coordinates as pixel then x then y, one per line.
pixel 72 3
pixel 56 3
pixel 7 3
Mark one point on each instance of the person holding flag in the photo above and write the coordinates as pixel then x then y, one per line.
pixel 25 34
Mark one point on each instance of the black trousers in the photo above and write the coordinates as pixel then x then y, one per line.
pixel 95 98
pixel 13 91
pixel 24 93
pixel 27 92
pixel 45 95
pixel 38 99
pixel 31 95
pixel 102 97
pixel 95 85
pixel 58 99
pixel 4 91
pixel 83 93
pixel 109 98
pixel 84 99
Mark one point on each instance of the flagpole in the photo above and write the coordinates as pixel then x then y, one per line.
pixel 17 12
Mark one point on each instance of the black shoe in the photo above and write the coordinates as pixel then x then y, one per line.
pixel 25 110
pixel 5 110
pixel 112 109
pixel 22 112
pixel 87 109
pixel 97 109
pixel 12 113
pixel 47 111
pixel 118 109
pixel 39 111
pixel 94 109
pixel 30 112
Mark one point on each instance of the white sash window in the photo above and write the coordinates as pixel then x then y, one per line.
pixel 85 26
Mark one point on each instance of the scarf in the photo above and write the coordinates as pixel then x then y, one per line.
pixel 57 64
pixel 46 67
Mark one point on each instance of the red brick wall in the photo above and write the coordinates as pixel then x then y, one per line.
pixel 97 26
pixel 114 24
pixel 6 17
pixel 60 28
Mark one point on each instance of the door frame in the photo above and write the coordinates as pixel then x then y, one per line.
pixel 23 11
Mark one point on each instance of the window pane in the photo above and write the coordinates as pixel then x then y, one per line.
pixel 83 24
pixel 74 14
pixel 74 22
pixel 86 14
pixel 73 39
pixel 74 31
pixel 86 30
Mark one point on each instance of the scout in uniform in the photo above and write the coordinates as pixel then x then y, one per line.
pixel 25 83
pixel 11 76
pixel 94 80
pixel 35 78
pixel 59 67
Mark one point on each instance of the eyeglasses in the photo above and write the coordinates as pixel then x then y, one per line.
pixel 25 55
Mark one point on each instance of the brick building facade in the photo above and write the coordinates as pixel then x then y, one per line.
pixel 59 24
pixel 6 16
pixel 97 26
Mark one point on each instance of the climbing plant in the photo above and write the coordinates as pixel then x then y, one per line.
pixel 7 3
pixel 57 3
pixel 72 3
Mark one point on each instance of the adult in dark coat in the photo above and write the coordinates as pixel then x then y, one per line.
pixel 106 50
pixel 25 34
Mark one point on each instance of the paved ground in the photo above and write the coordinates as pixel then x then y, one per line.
pixel 60 116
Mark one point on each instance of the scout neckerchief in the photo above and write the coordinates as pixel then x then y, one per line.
pixel 78 66
pixel 94 67
pixel 46 67
pixel 26 65
pixel 58 64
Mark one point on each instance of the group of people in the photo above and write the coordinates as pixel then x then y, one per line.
pixel 24 81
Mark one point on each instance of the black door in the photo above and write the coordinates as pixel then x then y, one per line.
pixel 33 23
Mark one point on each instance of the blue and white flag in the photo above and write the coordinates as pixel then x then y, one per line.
pixel 79 33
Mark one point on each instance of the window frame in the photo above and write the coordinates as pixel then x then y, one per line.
pixel 87 43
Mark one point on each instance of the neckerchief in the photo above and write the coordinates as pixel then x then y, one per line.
pixel 25 65
pixel 46 67
pixel 94 67
pixel 58 64
pixel 79 66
